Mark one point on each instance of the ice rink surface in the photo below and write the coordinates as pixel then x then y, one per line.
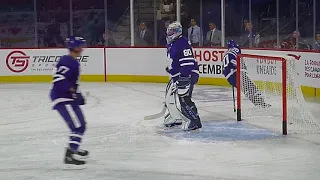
pixel 125 147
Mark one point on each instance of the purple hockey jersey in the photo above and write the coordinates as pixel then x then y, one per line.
pixel 230 61
pixel 181 61
pixel 65 77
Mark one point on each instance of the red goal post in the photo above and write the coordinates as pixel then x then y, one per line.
pixel 251 57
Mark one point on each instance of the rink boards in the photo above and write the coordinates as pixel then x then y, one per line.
pixel 134 64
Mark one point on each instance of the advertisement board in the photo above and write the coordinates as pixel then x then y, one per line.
pixel 136 61
pixel 148 64
pixel 307 64
pixel 140 62
pixel 35 62
pixel 210 61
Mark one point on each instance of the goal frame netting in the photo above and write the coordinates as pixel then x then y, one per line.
pixel 283 82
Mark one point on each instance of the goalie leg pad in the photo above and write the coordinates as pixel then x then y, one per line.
pixel 169 121
pixel 190 114
pixel 188 109
pixel 172 117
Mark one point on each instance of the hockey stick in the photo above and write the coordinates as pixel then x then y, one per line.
pixel 234 100
pixel 158 115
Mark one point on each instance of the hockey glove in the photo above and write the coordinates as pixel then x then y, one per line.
pixel 167 69
pixel 79 99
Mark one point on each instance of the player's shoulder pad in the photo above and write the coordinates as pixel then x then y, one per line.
pixel 183 39
pixel 69 61
pixel 75 62
pixel 232 54
pixel 235 50
pixel 64 59
pixel 183 42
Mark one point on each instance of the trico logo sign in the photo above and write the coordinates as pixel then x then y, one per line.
pixel 17 61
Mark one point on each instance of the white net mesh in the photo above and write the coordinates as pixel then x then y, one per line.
pixel 262 95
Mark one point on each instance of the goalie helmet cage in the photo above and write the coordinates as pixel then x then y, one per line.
pixel 260 83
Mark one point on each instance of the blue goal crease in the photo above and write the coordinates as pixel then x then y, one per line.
pixel 215 131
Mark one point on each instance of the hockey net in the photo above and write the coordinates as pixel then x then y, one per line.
pixel 268 93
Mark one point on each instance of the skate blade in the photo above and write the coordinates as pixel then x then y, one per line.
pixel 74 167
pixel 81 158
pixel 192 129
pixel 172 127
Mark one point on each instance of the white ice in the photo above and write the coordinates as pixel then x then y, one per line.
pixel 125 147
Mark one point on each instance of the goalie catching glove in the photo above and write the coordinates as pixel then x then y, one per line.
pixel 79 99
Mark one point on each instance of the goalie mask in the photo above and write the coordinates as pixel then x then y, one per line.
pixel 174 30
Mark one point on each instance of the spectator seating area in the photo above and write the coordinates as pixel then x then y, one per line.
pixel 201 22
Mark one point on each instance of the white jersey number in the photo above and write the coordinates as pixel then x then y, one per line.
pixel 187 52
pixel 225 61
pixel 59 73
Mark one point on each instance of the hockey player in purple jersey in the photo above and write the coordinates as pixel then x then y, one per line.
pixel 247 85
pixel 67 99
pixel 184 72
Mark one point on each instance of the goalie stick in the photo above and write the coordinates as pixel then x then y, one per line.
pixel 157 115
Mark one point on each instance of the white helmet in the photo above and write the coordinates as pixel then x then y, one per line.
pixel 174 30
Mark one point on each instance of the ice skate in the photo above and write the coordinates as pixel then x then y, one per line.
pixel 199 123
pixel 71 160
pixel 191 125
pixel 82 154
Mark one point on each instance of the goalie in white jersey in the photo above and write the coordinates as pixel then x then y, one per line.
pixel 247 85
